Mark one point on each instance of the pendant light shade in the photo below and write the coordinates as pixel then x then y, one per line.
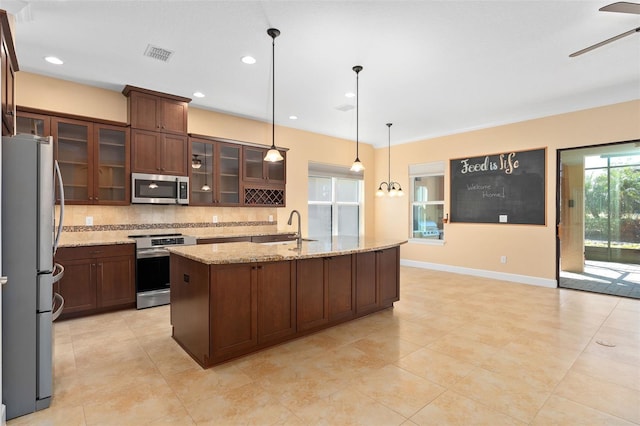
pixel 393 188
pixel 196 163
pixel 357 165
pixel 273 155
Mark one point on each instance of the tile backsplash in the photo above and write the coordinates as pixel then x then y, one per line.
pixel 141 216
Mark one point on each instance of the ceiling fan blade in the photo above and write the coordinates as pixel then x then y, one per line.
pixel 602 43
pixel 622 7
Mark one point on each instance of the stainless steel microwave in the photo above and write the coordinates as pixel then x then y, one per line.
pixel 159 189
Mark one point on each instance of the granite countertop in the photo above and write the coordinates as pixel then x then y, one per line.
pixel 80 239
pixel 245 252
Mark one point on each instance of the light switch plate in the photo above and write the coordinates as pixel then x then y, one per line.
pixel 215 219
pixel 88 220
pixel 270 218
pixel 503 218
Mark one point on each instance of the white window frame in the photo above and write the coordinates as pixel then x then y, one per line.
pixel 334 173
pixel 436 168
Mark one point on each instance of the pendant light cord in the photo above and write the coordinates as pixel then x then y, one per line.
pixel 273 91
pixel 389 155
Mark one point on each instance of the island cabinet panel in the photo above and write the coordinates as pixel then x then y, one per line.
pixel 312 294
pixel 190 306
pixel 276 300
pixel 339 275
pixel 367 297
pixel 388 272
pixel 234 306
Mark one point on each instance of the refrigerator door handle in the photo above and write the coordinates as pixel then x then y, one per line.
pixel 60 269
pixel 57 300
pixel 61 220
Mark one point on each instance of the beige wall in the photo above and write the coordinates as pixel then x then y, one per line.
pixel 530 250
pixel 46 93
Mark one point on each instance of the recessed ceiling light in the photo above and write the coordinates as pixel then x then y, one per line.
pixel 198 94
pixel 293 117
pixel 249 60
pixel 350 95
pixel 53 60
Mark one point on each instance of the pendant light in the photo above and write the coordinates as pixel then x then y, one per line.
pixel 205 187
pixel 357 165
pixel 196 163
pixel 393 188
pixel 273 155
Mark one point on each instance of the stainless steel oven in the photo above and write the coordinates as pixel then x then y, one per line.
pixel 152 267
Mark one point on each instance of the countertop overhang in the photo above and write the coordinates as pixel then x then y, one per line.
pixel 246 252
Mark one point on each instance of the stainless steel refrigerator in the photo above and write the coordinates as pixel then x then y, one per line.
pixel 29 240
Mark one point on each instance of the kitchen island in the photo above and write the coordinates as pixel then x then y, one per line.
pixel 229 300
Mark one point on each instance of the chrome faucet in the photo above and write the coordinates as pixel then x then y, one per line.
pixel 299 234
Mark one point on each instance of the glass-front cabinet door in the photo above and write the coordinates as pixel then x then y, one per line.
pixel 202 168
pixel 73 152
pixel 229 178
pixel 112 160
pixel 33 124
pixel 215 173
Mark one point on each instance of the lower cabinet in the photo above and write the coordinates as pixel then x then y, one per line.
pixel 96 278
pixel 223 311
pixel 251 304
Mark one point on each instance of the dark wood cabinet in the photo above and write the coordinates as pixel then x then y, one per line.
pixel 367 296
pixel 93 160
pixel 388 275
pixel 158 153
pixel 155 111
pixel 234 309
pixel 223 311
pixel 217 179
pixel 33 123
pixel 312 294
pixel 8 68
pixel 341 289
pixel 256 170
pixel 159 131
pixel 97 278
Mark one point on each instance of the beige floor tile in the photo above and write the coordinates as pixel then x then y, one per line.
pixel 453 409
pixel 504 394
pixel 248 404
pixel 54 416
pixel 463 349
pixel 601 395
pixel 349 408
pixel 558 411
pixel 192 385
pixel 439 368
pixel 627 375
pixel 300 385
pixel 498 348
pixel 398 389
pixel 148 401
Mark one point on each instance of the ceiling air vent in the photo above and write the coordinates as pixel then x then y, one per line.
pixel 158 53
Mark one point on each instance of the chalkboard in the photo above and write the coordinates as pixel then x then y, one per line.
pixel 500 188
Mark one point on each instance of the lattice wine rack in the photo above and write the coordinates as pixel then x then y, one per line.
pixel 263 197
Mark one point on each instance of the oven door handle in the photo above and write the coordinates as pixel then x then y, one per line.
pixel 152 252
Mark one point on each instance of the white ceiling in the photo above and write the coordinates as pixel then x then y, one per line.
pixel 430 67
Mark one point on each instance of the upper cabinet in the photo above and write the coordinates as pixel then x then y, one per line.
pixel 8 68
pixel 260 171
pixel 93 155
pixel 159 131
pixel 93 160
pixel 215 172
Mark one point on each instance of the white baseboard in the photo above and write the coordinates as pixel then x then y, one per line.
pixel 502 276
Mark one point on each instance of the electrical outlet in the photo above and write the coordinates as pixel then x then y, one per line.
pixel 270 218
pixel 88 220
pixel 215 219
pixel 503 259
